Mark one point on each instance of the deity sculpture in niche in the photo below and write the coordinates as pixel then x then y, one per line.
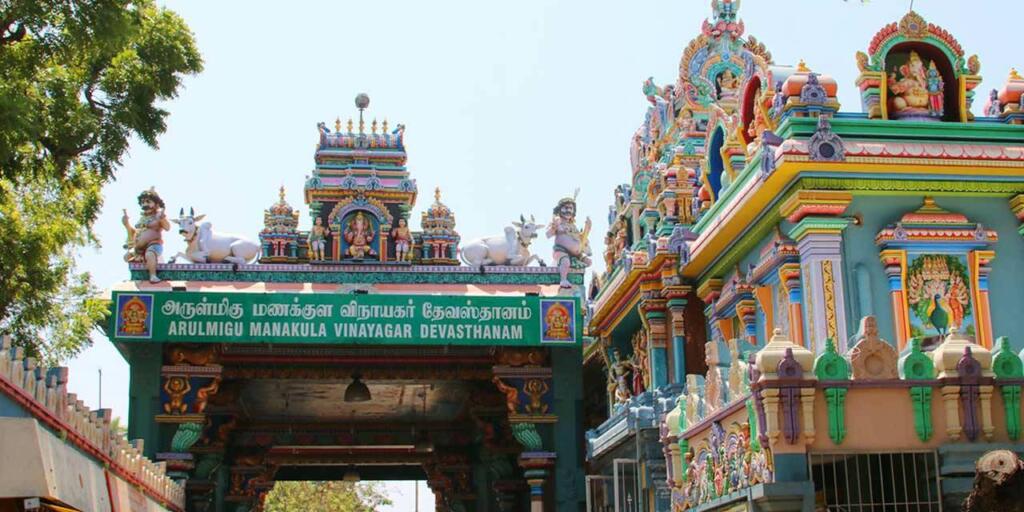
pixel 727 86
pixel 403 240
pixel 317 240
pixel 145 239
pixel 571 248
pixel 622 372
pixel 935 94
pixel 359 235
pixel 916 90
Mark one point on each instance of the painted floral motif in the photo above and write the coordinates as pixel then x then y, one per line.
pixel 939 295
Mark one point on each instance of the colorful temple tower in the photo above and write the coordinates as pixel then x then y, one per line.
pixel 802 306
pixel 357 348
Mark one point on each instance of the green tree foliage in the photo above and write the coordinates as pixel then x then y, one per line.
pixel 326 497
pixel 78 80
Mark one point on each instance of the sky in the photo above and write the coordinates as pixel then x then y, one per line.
pixel 508 106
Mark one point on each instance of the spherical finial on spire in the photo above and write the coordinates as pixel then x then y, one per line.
pixel 362 100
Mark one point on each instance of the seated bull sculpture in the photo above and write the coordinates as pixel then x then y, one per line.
pixel 207 246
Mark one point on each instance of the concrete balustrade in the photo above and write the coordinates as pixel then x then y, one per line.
pixel 47 389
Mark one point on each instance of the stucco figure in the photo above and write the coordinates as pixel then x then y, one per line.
pixel 571 248
pixel 145 239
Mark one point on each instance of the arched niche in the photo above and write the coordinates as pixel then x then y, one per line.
pixel 891 48
pixel 899 59
pixel 751 95
pixel 715 168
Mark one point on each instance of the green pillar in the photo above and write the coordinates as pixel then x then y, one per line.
pixel 567 366
pixel 144 395
pixel 221 490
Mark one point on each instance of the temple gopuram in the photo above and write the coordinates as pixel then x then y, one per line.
pixel 804 307
pixel 355 347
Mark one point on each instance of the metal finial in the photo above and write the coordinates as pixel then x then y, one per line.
pixel 337 124
pixel 437 194
pixel 350 125
pixel 373 126
pixel 384 126
pixel 362 101
pixel 281 193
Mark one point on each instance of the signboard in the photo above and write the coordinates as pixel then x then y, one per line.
pixel 199 317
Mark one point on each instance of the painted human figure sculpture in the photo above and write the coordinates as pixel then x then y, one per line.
pixel 571 248
pixel 911 93
pixel 936 98
pixel 317 240
pixel 403 240
pixel 622 371
pixel 145 239
pixel 359 235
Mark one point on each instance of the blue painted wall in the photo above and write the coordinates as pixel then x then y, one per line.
pixel 860 256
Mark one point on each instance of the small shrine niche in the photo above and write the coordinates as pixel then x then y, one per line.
pixel 280 240
pixel 360 195
pixel 916 71
pixel 439 241
pixel 938 265
pixel 359 228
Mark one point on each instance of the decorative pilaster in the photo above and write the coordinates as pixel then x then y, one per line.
pixel 789 277
pixel 916 366
pixel 895 263
pixel 965 373
pixel 833 368
pixel 981 264
pixel 818 233
pixel 652 314
pixel 676 305
pixel 528 398
pixel 1007 365
pixel 785 390
pixel 819 240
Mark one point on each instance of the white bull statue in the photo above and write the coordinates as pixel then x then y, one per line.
pixel 207 246
pixel 512 248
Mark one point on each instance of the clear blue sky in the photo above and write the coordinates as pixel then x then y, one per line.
pixel 508 105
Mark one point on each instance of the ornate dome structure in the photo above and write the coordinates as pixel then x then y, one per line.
pixel 439 240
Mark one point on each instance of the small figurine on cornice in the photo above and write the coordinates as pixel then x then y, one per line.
pixel 317 240
pixel 145 239
pixel 403 240
pixel 571 248
pixel 993 108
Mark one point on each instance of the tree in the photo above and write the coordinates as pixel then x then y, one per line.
pixel 326 497
pixel 78 80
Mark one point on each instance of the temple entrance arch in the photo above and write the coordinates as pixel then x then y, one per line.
pixel 237 390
